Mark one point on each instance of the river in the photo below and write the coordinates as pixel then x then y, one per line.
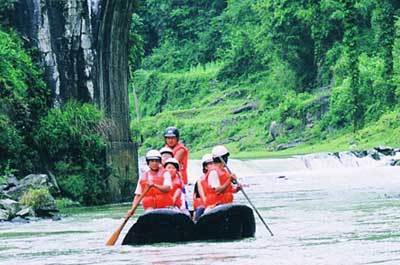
pixel 321 210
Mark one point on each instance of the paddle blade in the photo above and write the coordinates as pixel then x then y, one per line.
pixel 113 238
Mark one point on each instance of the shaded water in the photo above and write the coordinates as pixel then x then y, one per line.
pixel 330 214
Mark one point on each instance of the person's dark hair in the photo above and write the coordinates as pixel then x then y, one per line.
pixel 224 157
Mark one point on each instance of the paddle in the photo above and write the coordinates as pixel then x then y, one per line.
pixel 114 237
pixel 234 181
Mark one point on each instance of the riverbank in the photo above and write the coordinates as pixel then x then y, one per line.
pixel 381 133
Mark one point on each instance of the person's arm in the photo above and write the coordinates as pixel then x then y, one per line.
pixel 177 195
pixel 215 183
pixel 134 202
pixel 223 187
pixel 179 155
pixel 167 184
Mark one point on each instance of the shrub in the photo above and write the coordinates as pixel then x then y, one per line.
pixel 37 198
pixel 69 139
pixel 24 99
pixel 66 203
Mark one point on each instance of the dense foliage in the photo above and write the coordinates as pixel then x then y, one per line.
pixel 316 68
pixel 35 138
pixel 24 100
pixel 37 198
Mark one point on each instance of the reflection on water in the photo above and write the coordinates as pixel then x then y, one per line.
pixel 346 215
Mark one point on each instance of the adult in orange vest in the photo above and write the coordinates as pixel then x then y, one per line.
pixel 158 180
pixel 181 153
pixel 217 184
pixel 172 166
pixel 198 193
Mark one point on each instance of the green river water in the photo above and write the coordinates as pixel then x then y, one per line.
pixel 324 216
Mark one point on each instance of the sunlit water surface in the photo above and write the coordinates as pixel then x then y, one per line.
pixel 320 214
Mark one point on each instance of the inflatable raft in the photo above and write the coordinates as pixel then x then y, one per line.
pixel 224 222
pixel 160 225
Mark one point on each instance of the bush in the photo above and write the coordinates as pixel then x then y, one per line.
pixel 66 203
pixel 69 139
pixel 24 99
pixel 341 107
pixel 11 144
pixel 37 198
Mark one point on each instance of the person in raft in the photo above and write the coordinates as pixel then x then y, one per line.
pixel 181 153
pixel 166 153
pixel 179 150
pixel 198 192
pixel 172 166
pixel 217 185
pixel 159 181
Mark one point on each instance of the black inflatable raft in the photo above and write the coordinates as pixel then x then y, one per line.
pixel 224 222
pixel 160 225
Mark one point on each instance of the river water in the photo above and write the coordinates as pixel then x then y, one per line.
pixel 321 210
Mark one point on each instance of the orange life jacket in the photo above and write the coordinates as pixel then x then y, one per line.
pixel 176 184
pixel 212 197
pixel 155 198
pixel 183 162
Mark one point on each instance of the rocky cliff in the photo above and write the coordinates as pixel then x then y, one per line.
pixel 83 47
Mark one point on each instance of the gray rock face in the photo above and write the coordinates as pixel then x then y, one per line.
pixel 19 219
pixel 4 215
pixel 28 211
pixel 83 46
pixel 63 33
pixel 34 181
pixel 385 150
pixel 246 107
pixel 11 206
pixel 274 130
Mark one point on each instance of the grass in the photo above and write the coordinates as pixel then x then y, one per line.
pixel 386 132
pixel 207 118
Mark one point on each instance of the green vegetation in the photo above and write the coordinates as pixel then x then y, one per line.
pixel 70 139
pixel 325 72
pixel 64 203
pixel 24 100
pixel 37 198
pixel 35 138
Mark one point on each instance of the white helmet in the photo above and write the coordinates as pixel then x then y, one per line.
pixel 172 161
pixel 207 158
pixel 166 150
pixel 153 155
pixel 219 151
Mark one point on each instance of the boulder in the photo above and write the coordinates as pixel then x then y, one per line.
pixel 28 211
pixel 359 154
pixel 274 130
pixel 385 150
pixel 19 219
pixel 11 182
pixel 34 181
pixel 247 107
pixel 291 144
pixel 4 215
pixel 56 218
pixel 395 162
pixel 10 205
pixel 47 211
pixel 374 154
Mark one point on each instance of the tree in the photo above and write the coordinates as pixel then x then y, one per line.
pixel 351 50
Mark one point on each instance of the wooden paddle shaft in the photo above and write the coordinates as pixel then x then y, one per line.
pixel 114 237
